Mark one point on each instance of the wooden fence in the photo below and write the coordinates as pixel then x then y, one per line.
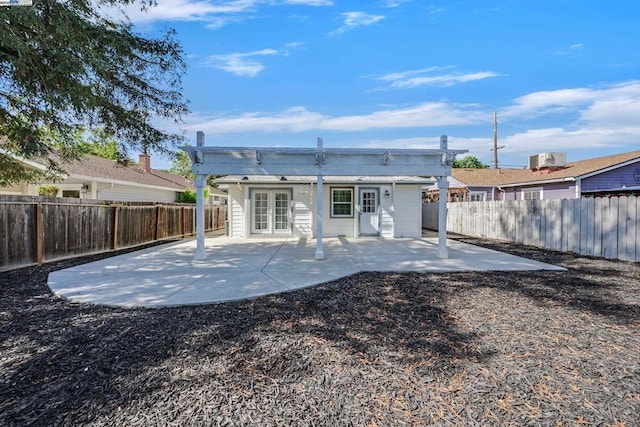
pixel 34 230
pixel 606 227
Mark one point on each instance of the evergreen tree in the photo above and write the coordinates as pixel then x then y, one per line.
pixel 64 64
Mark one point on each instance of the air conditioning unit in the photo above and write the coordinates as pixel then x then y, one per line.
pixel 547 160
pixel 533 162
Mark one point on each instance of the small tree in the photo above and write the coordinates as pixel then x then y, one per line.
pixel 181 165
pixel 469 162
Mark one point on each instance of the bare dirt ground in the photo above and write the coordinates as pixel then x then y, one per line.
pixel 525 348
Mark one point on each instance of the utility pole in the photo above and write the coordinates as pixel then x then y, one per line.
pixel 495 141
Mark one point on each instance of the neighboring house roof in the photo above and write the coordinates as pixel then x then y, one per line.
pixel 262 179
pixel 94 168
pixel 572 171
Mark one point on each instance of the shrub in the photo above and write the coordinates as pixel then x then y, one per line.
pixel 48 190
pixel 189 196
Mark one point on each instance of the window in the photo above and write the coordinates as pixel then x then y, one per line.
pixel 477 196
pixel 532 193
pixel 71 193
pixel 342 202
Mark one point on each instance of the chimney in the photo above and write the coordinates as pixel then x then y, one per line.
pixel 145 162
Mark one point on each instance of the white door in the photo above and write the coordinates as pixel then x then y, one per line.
pixel 369 215
pixel 270 212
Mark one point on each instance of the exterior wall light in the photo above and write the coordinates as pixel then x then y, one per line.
pixel 85 188
pixel 386 194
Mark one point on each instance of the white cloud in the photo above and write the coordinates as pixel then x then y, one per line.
pixel 299 119
pixel 426 77
pixel 424 142
pixel 560 139
pixel 571 50
pixel 356 19
pixel 240 64
pixel 590 118
pixel 310 2
pixel 543 103
pixel 435 11
pixel 181 10
pixel 395 3
pixel 216 13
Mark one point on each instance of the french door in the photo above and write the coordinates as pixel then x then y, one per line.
pixel 271 212
pixel 369 212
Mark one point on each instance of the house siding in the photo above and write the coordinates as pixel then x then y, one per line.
pixel 333 227
pixel 302 211
pixel 487 190
pixel 565 190
pixel 136 194
pixel 236 211
pixel 404 221
pixel 386 211
pixel 14 190
pixel 613 179
pixel 408 211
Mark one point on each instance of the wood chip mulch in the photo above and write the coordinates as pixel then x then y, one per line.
pixel 486 348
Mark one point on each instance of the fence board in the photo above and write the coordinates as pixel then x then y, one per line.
pixel 597 225
pixel 636 224
pixel 606 227
pixel 74 227
pixel 623 237
pixel 17 234
pixel 610 229
pixel 587 226
pixel 632 225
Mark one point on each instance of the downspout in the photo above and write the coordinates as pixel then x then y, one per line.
pixel 504 193
pixel 578 188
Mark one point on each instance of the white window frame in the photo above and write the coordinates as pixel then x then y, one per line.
pixel 333 190
pixel 482 194
pixel 530 190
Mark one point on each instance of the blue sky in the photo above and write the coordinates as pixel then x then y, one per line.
pixel 563 75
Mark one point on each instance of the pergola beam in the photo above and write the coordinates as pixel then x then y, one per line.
pixel 320 162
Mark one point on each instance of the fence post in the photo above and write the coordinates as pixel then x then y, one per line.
pixel 39 234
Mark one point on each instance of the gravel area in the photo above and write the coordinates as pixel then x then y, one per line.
pixel 373 349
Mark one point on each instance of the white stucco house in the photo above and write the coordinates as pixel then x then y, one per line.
pixel 352 206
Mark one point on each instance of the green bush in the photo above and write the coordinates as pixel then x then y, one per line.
pixel 189 196
pixel 48 190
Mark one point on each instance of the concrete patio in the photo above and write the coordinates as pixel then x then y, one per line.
pixel 168 275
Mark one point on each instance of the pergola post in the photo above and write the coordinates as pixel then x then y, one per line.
pixel 200 181
pixel 319 231
pixel 443 187
pixel 319 228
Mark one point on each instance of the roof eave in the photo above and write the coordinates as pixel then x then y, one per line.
pixel 609 168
